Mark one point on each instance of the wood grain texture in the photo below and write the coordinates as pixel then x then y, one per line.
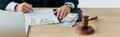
pixel 107 25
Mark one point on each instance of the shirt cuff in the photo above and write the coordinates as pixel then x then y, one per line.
pixel 11 6
pixel 70 4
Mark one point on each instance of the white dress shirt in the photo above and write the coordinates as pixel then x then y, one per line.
pixel 11 6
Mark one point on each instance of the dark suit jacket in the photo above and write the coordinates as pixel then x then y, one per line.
pixel 39 3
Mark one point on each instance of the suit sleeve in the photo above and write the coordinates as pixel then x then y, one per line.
pixel 4 3
pixel 75 2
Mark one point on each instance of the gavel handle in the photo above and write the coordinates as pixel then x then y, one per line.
pixel 93 18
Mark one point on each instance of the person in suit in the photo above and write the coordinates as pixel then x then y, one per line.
pixel 25 6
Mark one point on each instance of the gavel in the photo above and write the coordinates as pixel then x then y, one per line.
pixel 85 29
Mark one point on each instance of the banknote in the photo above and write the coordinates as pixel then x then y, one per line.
pixel 70 19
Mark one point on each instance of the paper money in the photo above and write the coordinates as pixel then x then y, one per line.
pixel 70 19
pixel 35 21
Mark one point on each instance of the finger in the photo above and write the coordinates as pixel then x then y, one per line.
pixel 65 13
pixel 61 13
pixel 58 13
pixel 25 9
pixel 28 6
pixel 22 9
pixel 55 13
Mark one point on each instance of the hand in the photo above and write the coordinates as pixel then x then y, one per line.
pixel 62 11
pixel 24 7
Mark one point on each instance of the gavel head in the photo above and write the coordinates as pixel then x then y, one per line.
pixel 85 20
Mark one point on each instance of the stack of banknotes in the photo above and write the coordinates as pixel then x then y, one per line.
pixel 70 19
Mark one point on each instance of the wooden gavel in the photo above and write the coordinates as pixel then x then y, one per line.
pixel 85 29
